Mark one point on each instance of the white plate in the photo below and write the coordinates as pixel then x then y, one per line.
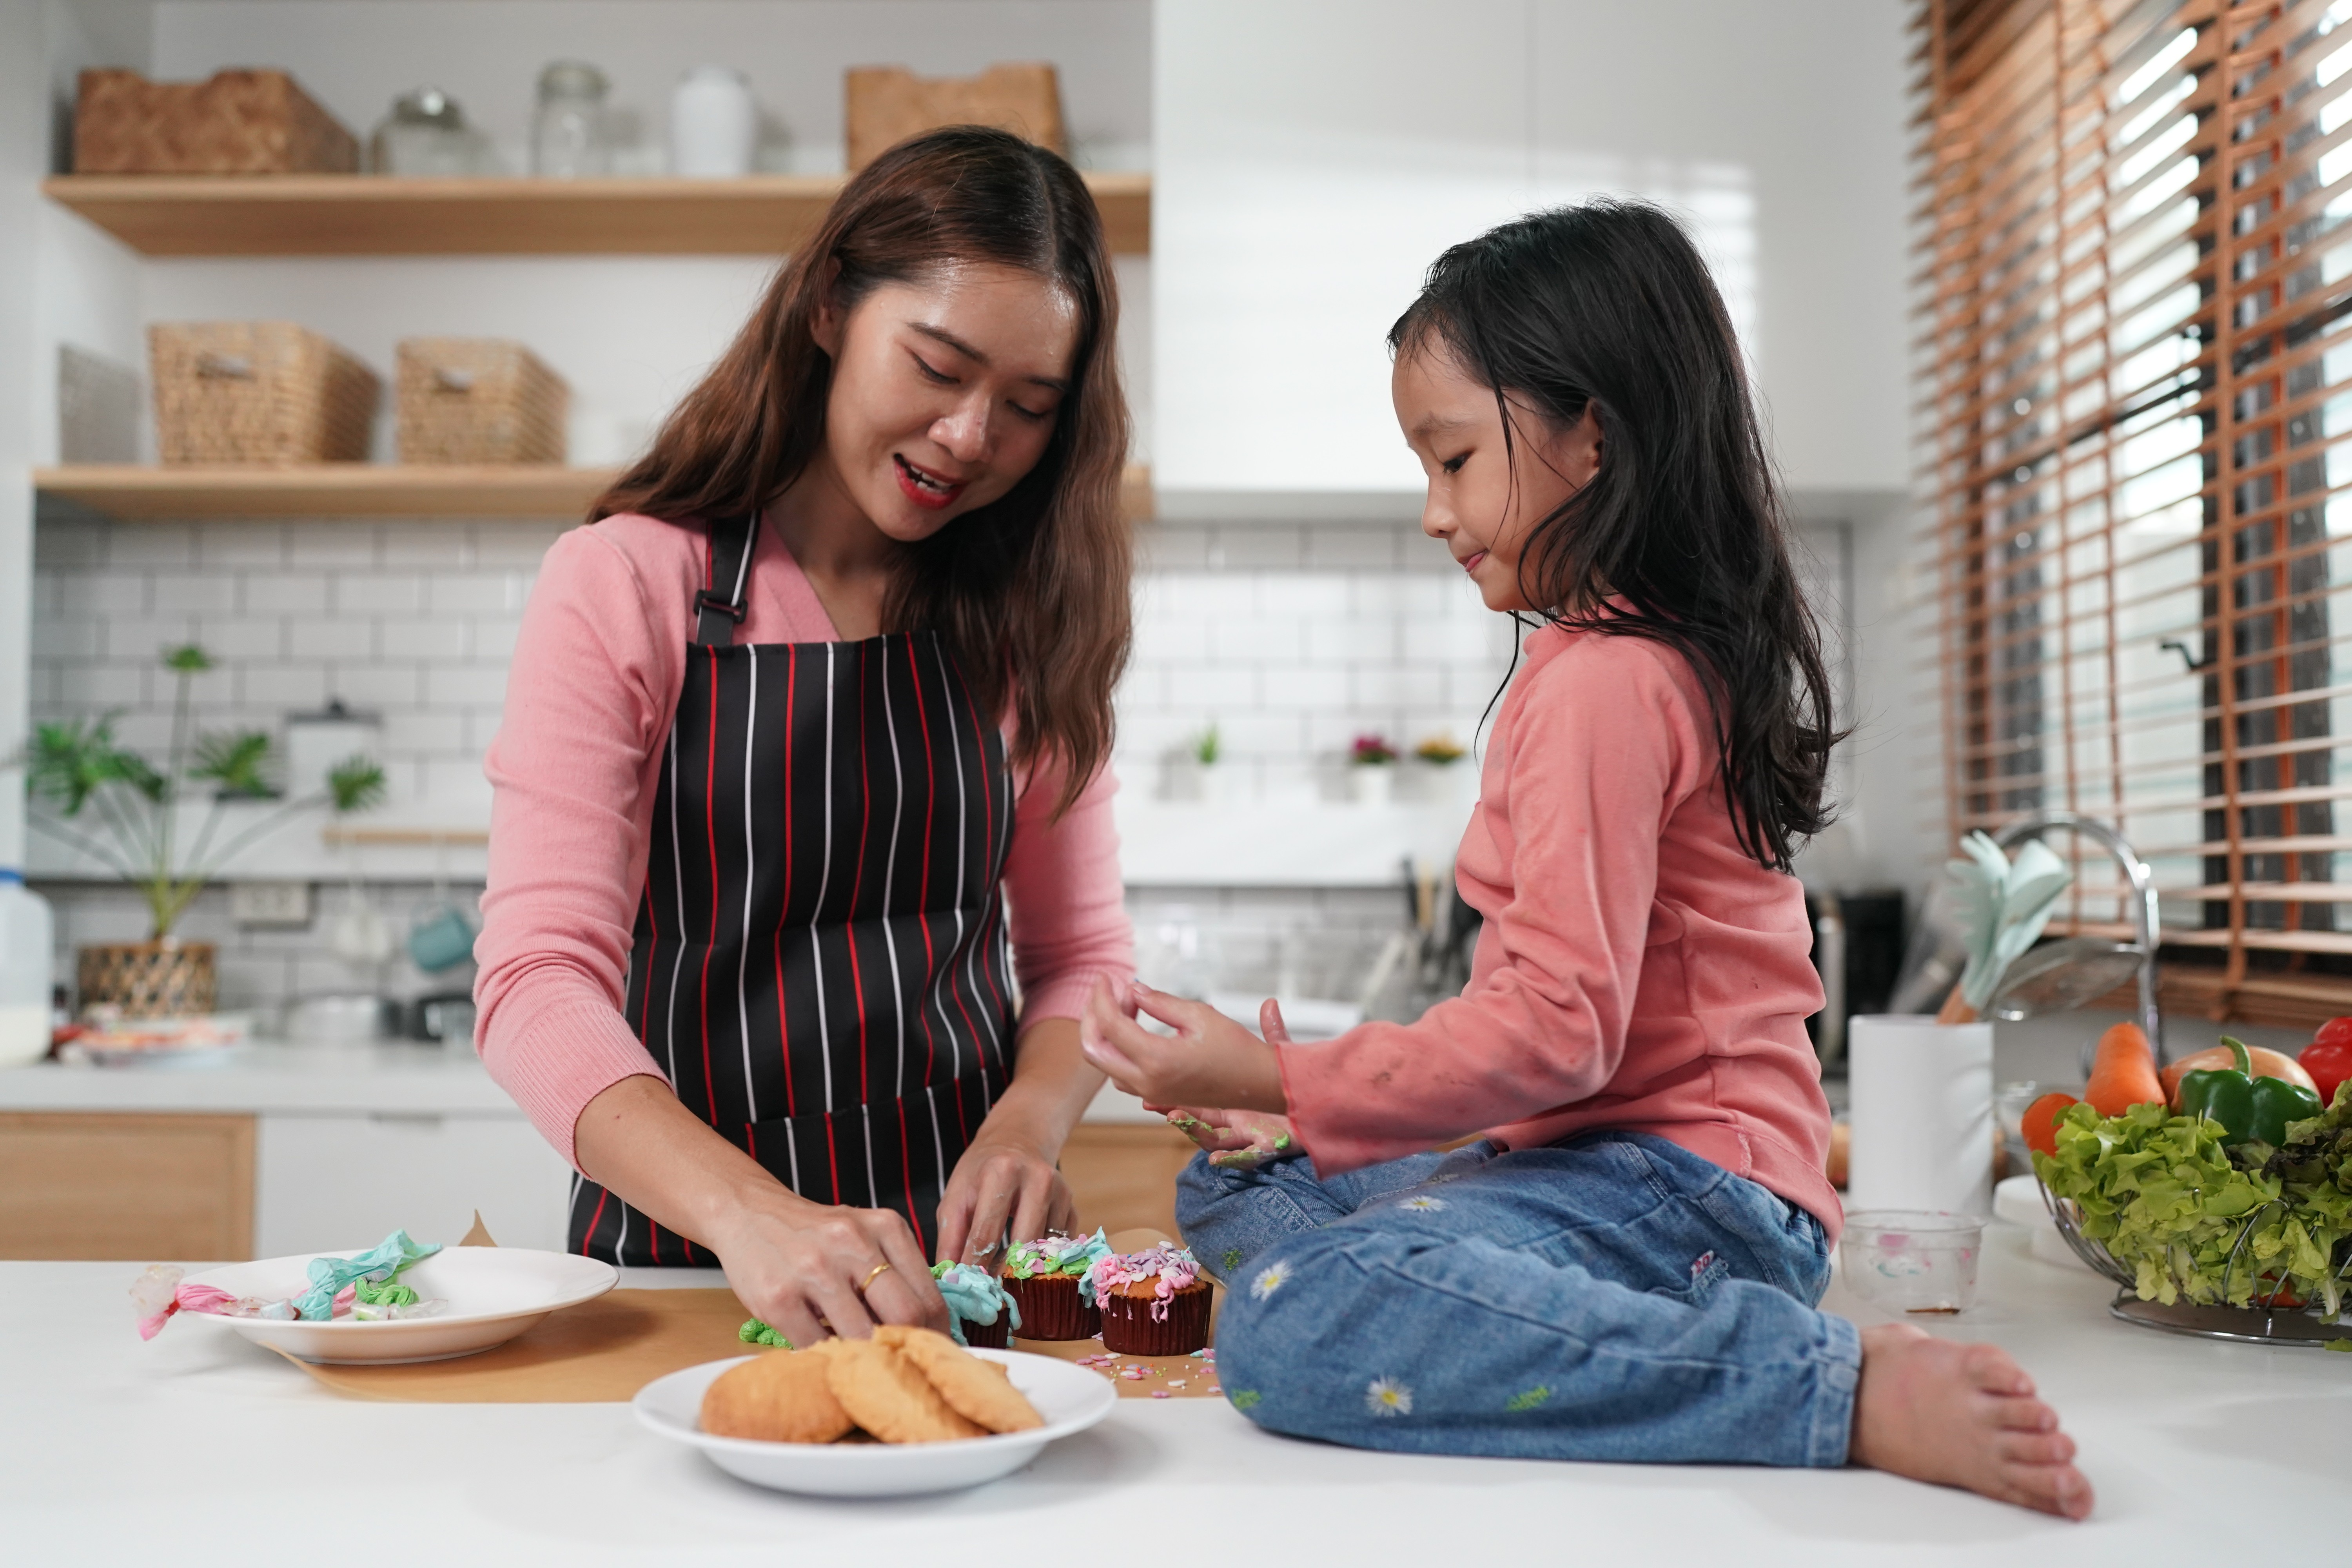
pixel 1070 1398
pixel 493 1293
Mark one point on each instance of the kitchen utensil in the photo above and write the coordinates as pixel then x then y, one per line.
pixel 425 135
pixel 2001 906
pixel 2060 976
pixel 350 1019
pixel 1921 1113
pixel 1908 1260
pixel 440 939
pixel 1071 1399
pixel 2140 901
pixel 568 139
pixel 714 124
pixel 447 1017
pixel 493 1293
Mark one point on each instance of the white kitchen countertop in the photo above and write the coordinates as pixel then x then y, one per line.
pixel 200 1448
pixel 269 1077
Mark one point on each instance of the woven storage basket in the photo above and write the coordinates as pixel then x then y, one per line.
pixel 257 392
pixel 477 400
pixel 149 979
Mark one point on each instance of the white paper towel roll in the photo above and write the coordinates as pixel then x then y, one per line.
pixel 1922 1114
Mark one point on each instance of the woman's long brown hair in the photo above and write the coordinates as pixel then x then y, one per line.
pixel 1030 591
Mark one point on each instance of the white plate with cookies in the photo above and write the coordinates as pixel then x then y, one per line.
pixel 928 1415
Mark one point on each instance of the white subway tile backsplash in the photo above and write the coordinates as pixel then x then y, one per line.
pixel 90 685
pixel 286 593
pixel 1306 688
pixel 384 684
pixel 1214 689
pixel 228 544
pixel 417 542
pixel 479 593
pixel 331 544
pixel 1375 547
pixel 339 638
pixel 464 686
pixel 194 593
pixel 441 641
pixel 233 638
pixel 1255 639
pixel 103 593
pixel 378 592
pixel 287 686
pixel 514 543
pixel 153 544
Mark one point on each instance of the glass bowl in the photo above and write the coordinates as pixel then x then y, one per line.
pixel 1910 1260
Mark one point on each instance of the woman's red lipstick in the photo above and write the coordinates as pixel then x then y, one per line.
pixel 924 488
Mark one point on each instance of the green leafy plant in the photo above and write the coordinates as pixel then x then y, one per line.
pixel 1440 750
pixel 1208 748
pixel 111 803
pixel 1372 752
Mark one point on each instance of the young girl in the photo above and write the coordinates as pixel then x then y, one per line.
pixel 1624 1265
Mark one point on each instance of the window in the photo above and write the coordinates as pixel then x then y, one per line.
pixel 2135 429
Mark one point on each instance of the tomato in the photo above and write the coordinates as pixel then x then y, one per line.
pixel 2039 1122
pixel 2328 1057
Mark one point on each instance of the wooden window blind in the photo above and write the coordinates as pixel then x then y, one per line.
pixel 2134 422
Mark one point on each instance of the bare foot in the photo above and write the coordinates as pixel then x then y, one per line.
pixel 1962 1416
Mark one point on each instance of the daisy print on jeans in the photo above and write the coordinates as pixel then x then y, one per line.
pixel 1387 1396
pixel 1270 1279
pixel 1423 1203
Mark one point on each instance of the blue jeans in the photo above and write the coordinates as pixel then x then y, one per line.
pixel 1608 1298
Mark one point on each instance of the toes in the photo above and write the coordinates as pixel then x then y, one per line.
pixel 2035 1448
pixel 2022 1415
pixel 2073 1493
pixel 1989 1368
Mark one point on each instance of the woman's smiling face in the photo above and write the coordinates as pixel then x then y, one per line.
pixel 1486 497
pixel 945 390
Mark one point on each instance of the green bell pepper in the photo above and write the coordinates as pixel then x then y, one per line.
pixel 2249 1109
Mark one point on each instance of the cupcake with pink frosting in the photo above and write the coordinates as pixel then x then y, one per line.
pixel 1153 1303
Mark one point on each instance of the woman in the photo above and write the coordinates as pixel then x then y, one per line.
pixel 825 687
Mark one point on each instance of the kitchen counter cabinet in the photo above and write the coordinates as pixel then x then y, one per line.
pixel 329 1182
pixel 215 1451
pixel 77 1186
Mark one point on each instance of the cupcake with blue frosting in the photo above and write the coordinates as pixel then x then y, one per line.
pixel 980 1311
pixel 1051 1282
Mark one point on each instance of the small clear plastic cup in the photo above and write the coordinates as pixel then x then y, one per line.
pixel 1911 1260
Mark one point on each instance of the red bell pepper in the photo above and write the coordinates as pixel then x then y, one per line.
pixel 2328 1057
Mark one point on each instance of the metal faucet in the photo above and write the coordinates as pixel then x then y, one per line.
pixel 2143 901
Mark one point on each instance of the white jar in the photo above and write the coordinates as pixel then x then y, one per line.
pixel 714 124
pixel 28 935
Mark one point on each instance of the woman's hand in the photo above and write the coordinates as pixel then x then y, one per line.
pixel 800 1267
pixel 1209 1060
pixel 1003 1182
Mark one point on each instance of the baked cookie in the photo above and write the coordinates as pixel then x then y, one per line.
pixel 783 1396
pixel 884 1394
pixel 975 1389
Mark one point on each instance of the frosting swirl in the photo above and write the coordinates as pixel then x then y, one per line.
pixel 1068 1257
pixel 1170 1269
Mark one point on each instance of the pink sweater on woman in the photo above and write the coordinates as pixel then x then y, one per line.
pixel 1637 969
pixel 590 698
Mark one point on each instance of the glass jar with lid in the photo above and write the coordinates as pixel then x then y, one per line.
pixel 425 135
pixel 569 139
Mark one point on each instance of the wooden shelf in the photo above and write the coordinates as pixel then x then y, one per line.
pixel 136 493
pixel 358 214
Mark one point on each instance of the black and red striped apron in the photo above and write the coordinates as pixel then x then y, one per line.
pixel 821 963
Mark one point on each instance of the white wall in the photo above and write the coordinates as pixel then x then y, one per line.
pixel 1313 156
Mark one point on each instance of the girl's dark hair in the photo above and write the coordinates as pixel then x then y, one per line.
pixel 1606 305
pixel 1029 592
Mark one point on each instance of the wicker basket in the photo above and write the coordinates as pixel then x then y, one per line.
pixel 884 105
pixel 257 392
pixel 149 979
pixel 237 123
pixel 477 400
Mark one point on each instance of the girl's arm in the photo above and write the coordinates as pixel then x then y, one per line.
pixel 1069 930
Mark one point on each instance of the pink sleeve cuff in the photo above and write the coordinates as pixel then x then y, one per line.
pixel 1065 995
pixel 565 1057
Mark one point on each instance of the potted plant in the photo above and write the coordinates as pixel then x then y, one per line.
pixel 1448 779
pixel 117 807
pixel 1371 770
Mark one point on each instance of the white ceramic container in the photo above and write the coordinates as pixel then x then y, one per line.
pixel 714 124
pixel 1922 1114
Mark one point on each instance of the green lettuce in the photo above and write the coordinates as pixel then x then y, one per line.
pixel 2170 1202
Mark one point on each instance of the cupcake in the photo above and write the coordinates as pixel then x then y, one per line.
pixel 980 1311
pixel 1153 1303
pixel 1049 1281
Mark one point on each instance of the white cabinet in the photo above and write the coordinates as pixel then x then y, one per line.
pixel 328 1181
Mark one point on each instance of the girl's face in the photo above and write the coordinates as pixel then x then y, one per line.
pixel 944 391
pixel 1485 497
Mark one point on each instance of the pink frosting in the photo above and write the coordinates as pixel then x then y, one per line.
pixel 1170 1268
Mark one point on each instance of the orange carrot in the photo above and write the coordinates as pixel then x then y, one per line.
pixel 2041 1123
pixel 2123 1073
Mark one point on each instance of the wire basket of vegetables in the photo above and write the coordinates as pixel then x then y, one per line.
pixel 2217 1195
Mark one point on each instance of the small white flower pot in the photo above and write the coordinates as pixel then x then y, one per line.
pixel 1369 785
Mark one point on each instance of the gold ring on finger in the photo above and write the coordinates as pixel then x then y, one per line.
pixel 879 1270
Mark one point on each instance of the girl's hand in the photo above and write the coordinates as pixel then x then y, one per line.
pixel 1003 1182
pixel 1237 1140
pixel 1209 1060
pixel 800 1267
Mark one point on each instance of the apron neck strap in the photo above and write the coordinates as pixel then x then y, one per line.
pixel 726 582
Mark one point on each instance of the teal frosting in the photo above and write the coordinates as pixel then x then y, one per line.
pixel 1072 1256
pixel 972 1294
pixel 329 1275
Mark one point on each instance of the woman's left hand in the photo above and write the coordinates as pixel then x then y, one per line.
pixel 1003 1182
pixel 1209 1060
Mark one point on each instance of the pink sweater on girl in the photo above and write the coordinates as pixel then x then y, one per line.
pixel 1637 969
pixel 593 687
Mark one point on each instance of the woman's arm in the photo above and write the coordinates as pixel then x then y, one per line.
pixel 792 1262
pixel 1069 930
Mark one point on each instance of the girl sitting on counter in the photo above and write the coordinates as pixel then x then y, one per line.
pixel 825 687
pixel 1624 1265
